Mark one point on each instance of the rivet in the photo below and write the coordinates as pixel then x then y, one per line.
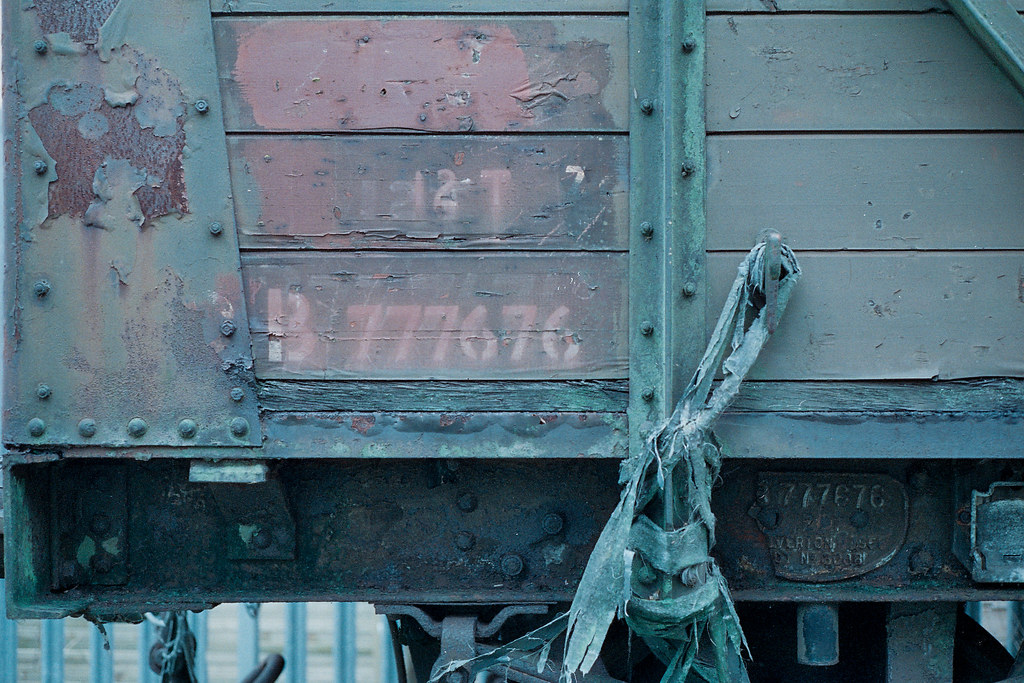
pixel 40 167
pixel 36 427
pixel 216 229
pixel 100 524
pixel 465 540
pixel 646 106
pixel 87 427
pixel 689 289
pixel 647 328
pixel 228 327
pixel 647 394
pixel 137 427
pixel 262 539
pixel 646 230
pixel 187 428
pixel 423 117
pixel 552 523
pixel 689 44
pixel 239 426
pixel 43 391
pixel 512 565
pixel 202 106
pixel 41 288
pixel 688 168
pixel 237 394
pixel 467 502
pixel 40 46
pixel 963 516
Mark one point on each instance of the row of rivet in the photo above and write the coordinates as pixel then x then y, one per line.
pixel 137 427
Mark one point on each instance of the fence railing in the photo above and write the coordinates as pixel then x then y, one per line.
pixel 321 643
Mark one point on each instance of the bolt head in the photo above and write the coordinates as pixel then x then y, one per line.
pixel 262 539
pixel 423 117
pixel 137 427
pixel 187 428
pixel 512 565
pixel 41 288
pixel 87 427
pixel 688 168
pixel 963 516
pixel 228 327
pixel 465 540
pixel 40 46
pixel 646 106
pixel 689 289
pixel 467 502
pixel 237 394
pixel 216 229
pixel 646 230
pixel 40 167
pixel 647 394
pixel 36 427
pixel 239 426
pixel 921 562
pixel 43 391
pixel 202 106
pixel 689 44
pixel 647 328
pixel 552 523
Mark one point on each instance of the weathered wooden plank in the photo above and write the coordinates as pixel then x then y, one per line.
pixel 834 5
pixel 423 74
pixel 410 6
pixel 997 26
pixel 427 316
pixel 868 191
pixel 349 395
pixel 399 192
pixel 445 435
pixel 873 72
pixel 964 396
pixel 894 316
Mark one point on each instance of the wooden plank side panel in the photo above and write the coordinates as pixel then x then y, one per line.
pixel 424 316
pixel 865 72
pixel 405 192
pixel 894 316
pixel 488 74
pixel 868 191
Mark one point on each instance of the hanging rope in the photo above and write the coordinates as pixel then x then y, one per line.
pixel 678 595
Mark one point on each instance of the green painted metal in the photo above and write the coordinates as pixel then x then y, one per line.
pixel 126 321
pixel 996 25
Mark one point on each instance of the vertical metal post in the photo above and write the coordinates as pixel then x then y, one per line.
pixel 51 656
pixel 344 642
pixel 248 638
pixel 295 642
pixel 388 670
pixel 8 640
pixel 199 623
pixel 146 633
pixel 101 660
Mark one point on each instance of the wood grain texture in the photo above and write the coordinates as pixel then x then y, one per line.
pixel 433 316
pixel 350 395
pixel 423 74
pixel 832 5
pixel 399 192
pixel 864 72
pixel 409 6
pixel 894 316
pixel 868 191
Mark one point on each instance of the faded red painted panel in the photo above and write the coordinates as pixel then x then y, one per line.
pixel 415 192
pixel 438 316
pixel 423 74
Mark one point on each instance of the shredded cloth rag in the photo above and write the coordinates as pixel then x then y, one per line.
pixel 652 564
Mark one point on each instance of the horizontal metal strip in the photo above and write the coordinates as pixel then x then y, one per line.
pixel 873 6
pixel 586 395
pixel 417 6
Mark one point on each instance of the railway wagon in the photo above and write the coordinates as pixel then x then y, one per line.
pixel 413 303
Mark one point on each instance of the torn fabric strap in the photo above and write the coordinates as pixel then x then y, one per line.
pixel 652 564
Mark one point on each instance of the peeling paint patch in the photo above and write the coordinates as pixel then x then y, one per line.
pixel 81 19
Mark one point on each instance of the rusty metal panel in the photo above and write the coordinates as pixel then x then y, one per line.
pixel 427 316
pixel 126 320
pixel 404 192
pixel 300 74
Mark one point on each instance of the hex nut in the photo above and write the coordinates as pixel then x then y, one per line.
pixel 467 502
pixel 647 394
pixel 40 167
pixel 216 229
pixel 87 428
pixel 239 426
pixel 137 427
pixel 512 565
pixel 688 168
pixel 689 44
pixel 646 106
pixel 228 327
pixel 647 328
pixel 552 523
pixel 41 288
pixel 646 230
pixel 237 394
pixel 202 106
pixel 187 428
pixel 465 540
pixel 36 427
pixel 689 289
pixel 43 391
pixel 41 46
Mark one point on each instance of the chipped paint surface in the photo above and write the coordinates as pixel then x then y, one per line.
pixel 81 19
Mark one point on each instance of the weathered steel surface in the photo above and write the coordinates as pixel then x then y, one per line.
pixel 996 25
pixel 385 6
pixel 990 529
pixel 868 191
pixel 876 72
pixel 445 435
pixel 833 5
pixel 387 192
pixel 385 531
pixel 118 294
pixel 423 74
pixel 919 642
pixel 896 316
pixel 326 395
pixel 497 316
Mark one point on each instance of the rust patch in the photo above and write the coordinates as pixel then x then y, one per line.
pixel 81 131
pixel 81 19
pixel 363 423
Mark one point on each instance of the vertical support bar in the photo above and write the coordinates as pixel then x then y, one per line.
pixel 200 627
pixel 145 642
pixel 344 642
pixel 919 642
pixel 388 668
pixel 8 640
pixel 51 655
pixel 101 660
pixel 248 638
pixel 295 642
